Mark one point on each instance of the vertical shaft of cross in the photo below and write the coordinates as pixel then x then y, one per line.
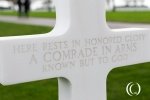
pixel 82 15
pixel 90 89
pixel 88 85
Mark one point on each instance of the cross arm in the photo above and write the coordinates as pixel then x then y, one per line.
pixel 133 47
pixel 29 58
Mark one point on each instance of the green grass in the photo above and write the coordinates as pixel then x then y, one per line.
pixel 48 89
pixel 8 29
pixel 32 14
pixel 119 78
pixel 41 90
pixel 132 17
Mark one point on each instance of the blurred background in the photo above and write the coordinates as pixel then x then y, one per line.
pixel 26 17
pixel 49 5
pixel 35 5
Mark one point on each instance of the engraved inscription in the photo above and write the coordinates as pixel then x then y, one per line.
pixel 67 54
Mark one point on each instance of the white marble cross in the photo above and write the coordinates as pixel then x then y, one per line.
pixel 80 51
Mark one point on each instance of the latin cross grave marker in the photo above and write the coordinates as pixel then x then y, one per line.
pixel 80 51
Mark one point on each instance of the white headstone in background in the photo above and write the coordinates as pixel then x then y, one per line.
pixel 80 51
